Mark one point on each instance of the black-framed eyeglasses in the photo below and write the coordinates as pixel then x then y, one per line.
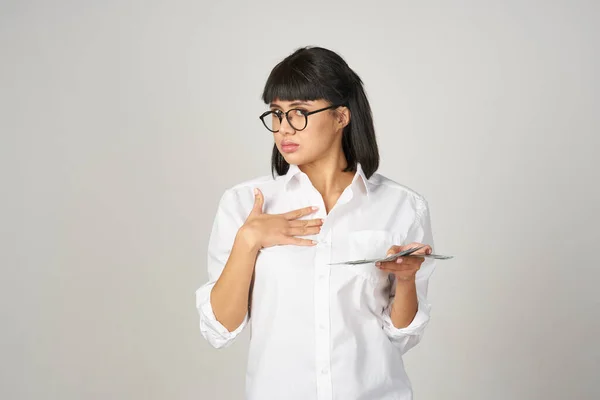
pixel 297 118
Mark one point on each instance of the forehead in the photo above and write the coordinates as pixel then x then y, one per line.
pixel 296 103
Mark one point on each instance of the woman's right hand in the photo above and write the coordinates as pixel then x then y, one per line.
pixel 265 230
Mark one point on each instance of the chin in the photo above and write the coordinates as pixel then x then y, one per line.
pixel 293 158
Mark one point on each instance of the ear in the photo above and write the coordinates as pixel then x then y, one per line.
pixel 343 117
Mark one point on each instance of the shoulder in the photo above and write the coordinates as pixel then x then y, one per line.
pixel 388 187
pixel 259 182
pixel 243 193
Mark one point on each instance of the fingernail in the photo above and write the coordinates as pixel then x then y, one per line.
pixel 398 260
pixel 256 191
pixel 428 251
pixel 313 241
pixel 322 221
pixel 378 264
pixel 314 208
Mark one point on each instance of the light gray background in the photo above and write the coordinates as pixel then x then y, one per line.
pixel 122 122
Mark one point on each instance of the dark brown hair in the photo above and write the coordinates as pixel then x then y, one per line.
pixel 314 73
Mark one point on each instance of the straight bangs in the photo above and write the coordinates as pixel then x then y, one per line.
pixel 289 82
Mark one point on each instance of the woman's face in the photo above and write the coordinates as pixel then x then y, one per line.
pixel 321 137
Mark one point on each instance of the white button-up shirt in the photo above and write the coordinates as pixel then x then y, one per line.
pixel 323 331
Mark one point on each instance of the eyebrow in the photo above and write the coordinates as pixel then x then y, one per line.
pixel 294 104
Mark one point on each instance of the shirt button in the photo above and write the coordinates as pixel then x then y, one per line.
pixel 325 371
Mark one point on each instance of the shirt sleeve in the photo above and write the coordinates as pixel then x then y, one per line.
pixel 228 220
pixel 406 338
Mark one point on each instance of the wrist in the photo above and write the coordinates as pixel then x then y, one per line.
pixel 405 283
pixel 247 240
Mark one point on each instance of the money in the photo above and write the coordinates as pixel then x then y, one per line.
pixel 393 257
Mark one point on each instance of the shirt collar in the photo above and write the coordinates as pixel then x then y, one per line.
pixel 360 176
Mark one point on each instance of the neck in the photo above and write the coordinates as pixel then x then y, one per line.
pixel 327 175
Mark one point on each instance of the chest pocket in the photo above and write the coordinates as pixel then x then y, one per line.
pixel 368 244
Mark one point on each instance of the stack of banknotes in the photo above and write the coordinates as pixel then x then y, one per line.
pixel 393 257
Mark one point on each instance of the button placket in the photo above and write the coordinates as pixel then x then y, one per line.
pixel 322 314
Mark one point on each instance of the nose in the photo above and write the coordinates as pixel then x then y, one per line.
pixel 285 128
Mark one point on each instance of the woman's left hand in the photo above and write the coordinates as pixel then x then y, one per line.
pixel 405 268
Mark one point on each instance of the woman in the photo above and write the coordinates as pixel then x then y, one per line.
pixel 319 331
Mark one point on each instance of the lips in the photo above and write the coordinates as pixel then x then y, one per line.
pixel 289 147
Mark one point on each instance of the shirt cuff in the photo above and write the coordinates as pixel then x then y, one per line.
pixel 415 328
pixel 214 332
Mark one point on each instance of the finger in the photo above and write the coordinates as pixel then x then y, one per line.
pixel 410 271
pixel 299 242
pixel 303 231
pixel 398 267
pixel 257 209
pixel 291 215
pixel 393 250
pixel 402 263
pixel 397 249
pixel 400 271
pixel 425 250
pixel 306 222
